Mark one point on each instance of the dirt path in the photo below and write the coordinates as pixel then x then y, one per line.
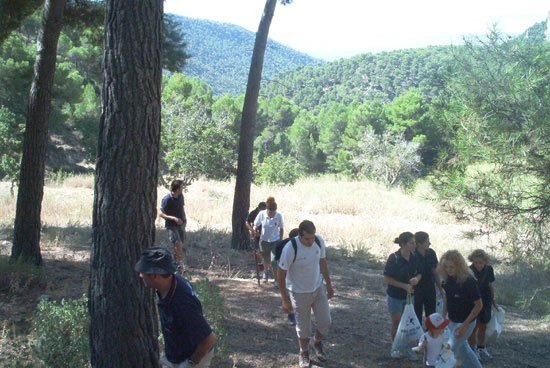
pixel 260 337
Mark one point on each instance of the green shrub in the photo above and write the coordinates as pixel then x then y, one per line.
pixel 60 331
pixel 212 305
pixel 278 169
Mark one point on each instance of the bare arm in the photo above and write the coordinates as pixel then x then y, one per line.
pixel 281 278
pixel 172 218
pixel 478 305
pixel 203 348
pixel 326 276
pixel 393 282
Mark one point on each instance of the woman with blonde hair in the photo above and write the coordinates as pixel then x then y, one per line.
pixel 462 302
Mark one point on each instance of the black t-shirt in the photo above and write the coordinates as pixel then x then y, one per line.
pixel 401 270
pixel 460 297
pixel 426 266
pixel 484 278
pixel 251 217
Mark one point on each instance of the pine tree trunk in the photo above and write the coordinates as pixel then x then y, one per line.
pixel 123 329
pixel 241 200
pixel 26 232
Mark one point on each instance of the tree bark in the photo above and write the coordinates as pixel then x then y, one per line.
pixel 26 232
pixel 241 200
pixel 123 330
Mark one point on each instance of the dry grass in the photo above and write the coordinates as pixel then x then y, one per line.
pixel 358 216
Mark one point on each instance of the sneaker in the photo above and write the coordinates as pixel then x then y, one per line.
pixel 304 359
pixel 291 319
pixel 395 354
pixel 318 349
pixel 483 351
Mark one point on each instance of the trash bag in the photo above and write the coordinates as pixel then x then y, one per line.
pixel 446 357
pixel 409 329
pixel 439 301
pixel 495 325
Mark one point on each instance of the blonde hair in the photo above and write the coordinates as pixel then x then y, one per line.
pixel 462 269
pixel 479 253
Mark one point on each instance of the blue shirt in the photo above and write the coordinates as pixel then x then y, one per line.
pixel 183 324
pixel 172 206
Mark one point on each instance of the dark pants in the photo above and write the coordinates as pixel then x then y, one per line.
pixel 424 300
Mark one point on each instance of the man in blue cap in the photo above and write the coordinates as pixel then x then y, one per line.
pixel 188 339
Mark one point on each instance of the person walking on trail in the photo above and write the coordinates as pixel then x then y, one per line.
pixel 173 212
pixel 269 224
pixel 250 224
pixel 424 292
pixel 402 274
pixel 485 276
pixel 188 338
pixel 301 275
pixel 291 317
pixel 462 302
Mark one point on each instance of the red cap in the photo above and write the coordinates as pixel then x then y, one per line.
pixel 435 321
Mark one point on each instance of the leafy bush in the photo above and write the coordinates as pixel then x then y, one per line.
pixel 212 304
pixel 11 136
pixel 278 169
pixel 387 158
pixel 60 330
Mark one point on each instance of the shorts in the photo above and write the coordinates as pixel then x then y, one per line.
pixel 267 250
pixel 303 304
pixel 484 315
pixel 176 234
pixel 395 305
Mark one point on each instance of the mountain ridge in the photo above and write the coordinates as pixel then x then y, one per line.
pixel 209 40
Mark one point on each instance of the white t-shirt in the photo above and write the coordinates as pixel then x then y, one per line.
pixel 433 349
pixel 304 275
pixel 271 226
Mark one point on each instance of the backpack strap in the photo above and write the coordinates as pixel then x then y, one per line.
pixel 295 246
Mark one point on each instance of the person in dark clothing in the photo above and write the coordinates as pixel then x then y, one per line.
pixel 424 292
pixel 188 338
pixel 173 212
pixel 402 274
pixel 462 302
pixel 485 277
pixel 250 224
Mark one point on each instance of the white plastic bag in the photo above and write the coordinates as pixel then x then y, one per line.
pixel 446 357
pixel 409 329
pixel 495 325
pixel 439 301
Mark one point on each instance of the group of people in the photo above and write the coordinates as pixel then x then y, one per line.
pixel 414 271
pixel 300 271
pixel 302 276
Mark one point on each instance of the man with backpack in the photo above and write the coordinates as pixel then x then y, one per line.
pixel 302 269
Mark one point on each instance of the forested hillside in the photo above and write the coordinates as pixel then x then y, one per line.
pixel 220 55
pixel 445 113
pixel 367 77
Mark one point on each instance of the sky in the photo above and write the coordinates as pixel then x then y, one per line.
pixel 334 29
